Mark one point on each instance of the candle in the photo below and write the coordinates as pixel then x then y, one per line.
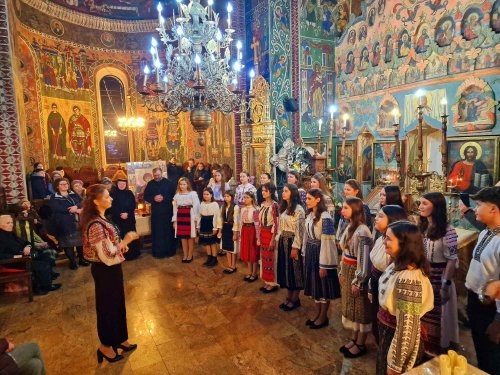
pixel 444 106
pixel 179 6
pixel 157 68
pixel 420 95
pixel 229 10
pixel 252 76
pixel 210 3
pixel 146 73
pixel 197 60
pixel 165 83
pixel 395 113
pixel 345 117
pixel 319 125
pixel 159 8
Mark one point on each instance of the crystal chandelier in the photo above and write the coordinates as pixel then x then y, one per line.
pixel 197 74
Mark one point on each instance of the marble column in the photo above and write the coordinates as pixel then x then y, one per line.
pixel 11 163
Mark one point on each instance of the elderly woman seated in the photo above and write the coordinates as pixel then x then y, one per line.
pixel 42 244
pixel 12 246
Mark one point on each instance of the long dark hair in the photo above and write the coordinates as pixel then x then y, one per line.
pixel 211 192
pixel 89 209
pixel 297 176
pixel 356 186
pixel 230 211
pixel 271 188
pixel 321 207
pixel 222 181
pixel 394 213
pixel 439 217
pixel 295 201
pixel 393 195
pixel 411 247
pixel 357 217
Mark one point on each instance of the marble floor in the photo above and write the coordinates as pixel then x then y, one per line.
pixel 187 319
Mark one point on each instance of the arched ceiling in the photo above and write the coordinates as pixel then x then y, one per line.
pixel 126 9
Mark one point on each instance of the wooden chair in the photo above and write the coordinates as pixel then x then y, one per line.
pixel 8 275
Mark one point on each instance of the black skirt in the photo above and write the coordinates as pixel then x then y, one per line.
pixel 227 238
pixel 206 231
pixel 110 304
pixel 319 289
pixel 290 271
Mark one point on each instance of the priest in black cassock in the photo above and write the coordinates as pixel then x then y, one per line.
pixel 160 193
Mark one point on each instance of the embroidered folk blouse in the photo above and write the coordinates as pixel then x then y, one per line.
pixel 209 209
pixel 102 237
pixel 269 216
pixel 187 199
pixel 240 192
pixel 323 231
pixel 408 296
pixel 379 258
pixel 250 215
pixel 235 220
pixel 358 247
pixel 443 249
pixel 293 223
pixel 216 188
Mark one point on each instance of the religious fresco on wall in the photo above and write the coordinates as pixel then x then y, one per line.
pixel 28 97
pixel 69 132
pixel 257 36
pixel 316 63
pixel 280 82
pixel 495 17
pixel 414 41
pixel 385 119
pixel 473 163
pixel 384 161
pixel 475 109
pixel 119 9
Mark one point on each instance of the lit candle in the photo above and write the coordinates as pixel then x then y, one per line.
pixel 395 113
pixel 239 45
pixel 345 117
pixel 146 73
pixel 420 95
pixel 229 10
pixel 333 109
pixel 197 60
pixel 252 76
pixel 179 6
pixel 159 8
pixel 444 106
pixel 319 125
pixel 165 83
pixel 210 3
pixel 157 68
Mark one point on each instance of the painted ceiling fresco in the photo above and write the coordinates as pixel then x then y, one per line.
pixel 123 9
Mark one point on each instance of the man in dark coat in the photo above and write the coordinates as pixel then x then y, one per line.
pixel 174 171
pixel 160 193
pixel 12 246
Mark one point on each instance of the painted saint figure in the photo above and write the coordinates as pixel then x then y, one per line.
pixel 316 98
pixel 79 133
pixel 423 42
pixel 470 174
pixel 57 133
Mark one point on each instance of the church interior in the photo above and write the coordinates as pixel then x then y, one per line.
pixel 385 92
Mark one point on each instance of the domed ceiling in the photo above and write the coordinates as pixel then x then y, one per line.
pixel 125 9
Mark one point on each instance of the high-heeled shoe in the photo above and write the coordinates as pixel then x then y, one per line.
pixel 125 348
pixel 101 356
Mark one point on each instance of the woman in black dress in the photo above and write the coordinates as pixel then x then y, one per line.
pixel 123 215
pixel 104 249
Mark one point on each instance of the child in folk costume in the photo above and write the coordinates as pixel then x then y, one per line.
pixel 290 266
pixel 208 218
pixel 268 219
pixel 229 230
pixel 320 252
pixel 242 188
pixel 250 235
pixel 356 242
pixel 379 258
pixel 219 185
pixel 186 206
